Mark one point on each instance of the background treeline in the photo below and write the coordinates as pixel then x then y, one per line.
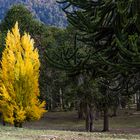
pixel 48 12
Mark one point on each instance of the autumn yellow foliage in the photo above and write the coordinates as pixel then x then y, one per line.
pixel 19 73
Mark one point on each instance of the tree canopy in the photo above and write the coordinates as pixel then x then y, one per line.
pixel 19 73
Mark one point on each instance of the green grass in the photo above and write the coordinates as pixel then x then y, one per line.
pixel 66 126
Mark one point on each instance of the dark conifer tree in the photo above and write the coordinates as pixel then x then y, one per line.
pixel 110 31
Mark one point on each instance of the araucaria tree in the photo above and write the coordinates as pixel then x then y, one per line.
pixel 19 73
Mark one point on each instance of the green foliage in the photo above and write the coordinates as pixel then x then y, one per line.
pixel 25 18
pixel 48 12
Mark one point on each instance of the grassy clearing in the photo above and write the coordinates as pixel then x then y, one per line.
pixel 69 121
pixel 10 133
pixel 66 126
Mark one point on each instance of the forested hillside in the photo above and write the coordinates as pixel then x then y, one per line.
pixel 47 11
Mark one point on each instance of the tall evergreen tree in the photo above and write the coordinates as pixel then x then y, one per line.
pixel 110 31
pixel 95 39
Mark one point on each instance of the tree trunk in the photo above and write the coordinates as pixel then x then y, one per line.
pixel 138 106
pixel 106 120
pixel 20 125
pixel 138 101
pixel 3 122
pixel 61 99
pixel 51 105
pixel 17 124
pixel 91 119
pixel 115 109
pixel 81 111
pixel 87 118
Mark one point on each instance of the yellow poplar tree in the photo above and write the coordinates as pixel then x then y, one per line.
pixel 19 73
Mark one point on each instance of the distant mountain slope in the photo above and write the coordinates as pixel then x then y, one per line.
pixel 47 11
